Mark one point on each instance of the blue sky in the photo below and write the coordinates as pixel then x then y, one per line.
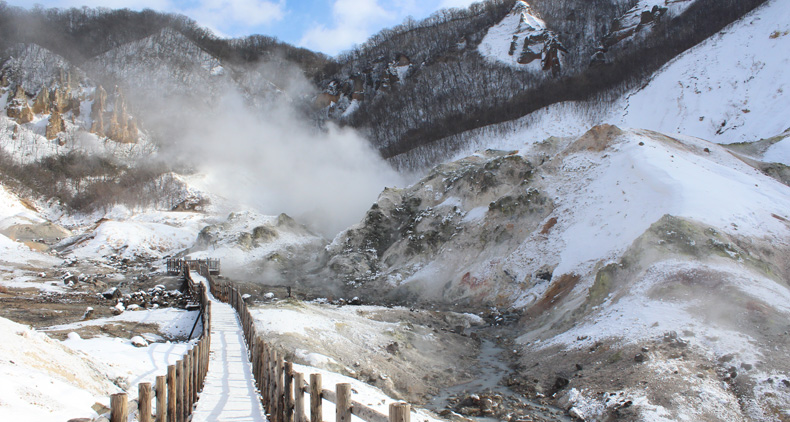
pixel 329 26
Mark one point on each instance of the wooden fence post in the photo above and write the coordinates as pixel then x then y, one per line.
pixel 265 377
pixel 195 362
pixel 343 402
pixel 187 384
pixel 184 389
pixel 273 399
pixel 198 366
pixel 288 414
pixel 204 362
pixel 172 384
pixel 315 398
pixel 180 391
pixel 144 401
pixel 299 415
pixel 280 390
pixel 261 364
pixel 400 412
pixel 272 384
pixel 161 398
pixel 119 408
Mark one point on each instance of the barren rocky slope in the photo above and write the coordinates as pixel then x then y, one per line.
pixel 661 259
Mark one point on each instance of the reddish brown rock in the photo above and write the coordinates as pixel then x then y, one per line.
pixel 55 125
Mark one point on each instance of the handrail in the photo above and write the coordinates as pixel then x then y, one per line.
pixel 175 266
pixel 177 392
pixel 278 385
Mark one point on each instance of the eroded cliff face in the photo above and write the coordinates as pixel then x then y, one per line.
pixel 18 107
pixel 622 253
pixel 418 241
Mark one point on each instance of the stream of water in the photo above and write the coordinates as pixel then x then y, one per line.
pixel 491 370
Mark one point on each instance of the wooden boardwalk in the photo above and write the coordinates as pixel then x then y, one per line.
pixel 229 393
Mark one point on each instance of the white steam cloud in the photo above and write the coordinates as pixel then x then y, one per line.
pixel 274 161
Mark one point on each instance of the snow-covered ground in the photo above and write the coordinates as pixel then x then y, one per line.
pixel 55 383
pixel 729 88
pixel 64 379
pixel 643 177
pixel 341 335
pixel 606 189
pixel 171 322
pixel 132 239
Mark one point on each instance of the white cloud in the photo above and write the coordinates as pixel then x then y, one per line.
pixel 333 40
pixel 227 14
pixel 110 4
pixel 353 21
pixel 222 16
pixel 358 12
pixel 463 4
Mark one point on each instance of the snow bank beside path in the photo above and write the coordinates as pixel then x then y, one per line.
pixel 361 392
pixel 45 381
pixel 134 364
pixel 172 322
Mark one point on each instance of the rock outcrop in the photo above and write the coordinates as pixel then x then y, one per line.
pixel 55 125
pixel 120 127
pixel 530 45
pixel 41 104
pixel 18 107
pixel 479 203
pixel 61 99
pixel 97 111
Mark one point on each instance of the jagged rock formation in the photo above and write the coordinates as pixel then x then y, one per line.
pixel 120 129
pixel 430 223
pixel 61 99
pixel 265 248
pixel 55 125
pixel 41 104
pixel 97 110
pixel 530 41
pixel 18 107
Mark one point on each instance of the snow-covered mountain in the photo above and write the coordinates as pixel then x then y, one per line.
pixel 613 178
pixel 708 91
pixel 727 89
pixel 613 239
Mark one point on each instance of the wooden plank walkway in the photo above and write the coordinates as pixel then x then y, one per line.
pixel 229 393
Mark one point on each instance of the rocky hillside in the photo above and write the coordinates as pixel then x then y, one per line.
pixel 624 249
pixel 509 59
pixel 729 103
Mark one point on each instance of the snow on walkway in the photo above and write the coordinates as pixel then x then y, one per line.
pixel 229 393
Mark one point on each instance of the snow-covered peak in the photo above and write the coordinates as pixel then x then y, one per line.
pixel 729 88
pixel 529 22
pixel 167 61
pixel 34 66
pixel 522 39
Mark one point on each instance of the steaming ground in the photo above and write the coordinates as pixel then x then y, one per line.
pixel 264 152
pixel 275 163
pixel 622 275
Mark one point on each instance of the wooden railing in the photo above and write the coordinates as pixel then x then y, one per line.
pixel 281 389
pixel 177 392
pixel 175 266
